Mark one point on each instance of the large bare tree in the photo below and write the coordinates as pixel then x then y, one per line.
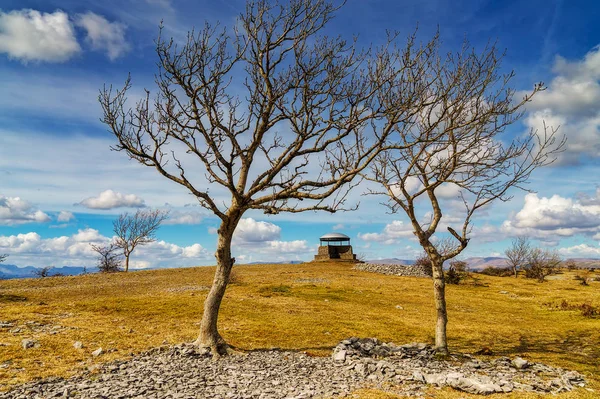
pixel 279 117
pixel 133 230
pixel 465 148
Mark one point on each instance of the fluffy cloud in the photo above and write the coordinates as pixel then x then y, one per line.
pixel 32 249
pixel 581 250
pixel 555 217
pixel 391 234
pixel 104 35
pixel 287 247
pixel 65 216
pixel 257 240
pixel 571 102
pixel 184 217
pixel 14 210
pixel 110 199
pixel 250 231
pixel 29 35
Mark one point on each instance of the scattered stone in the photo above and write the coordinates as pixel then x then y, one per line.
pixel 30 343
pixel 184 371
pixel 97 352
pixel 520 363
pixel 395 270
pixel 78 345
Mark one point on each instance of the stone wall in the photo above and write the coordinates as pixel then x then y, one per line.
pixel 335 252
pixel 395 270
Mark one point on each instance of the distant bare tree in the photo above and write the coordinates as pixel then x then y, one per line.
pixel 466 108
pixel 542 263
pixel 280 118
pixel 518 253
pixel 133 230
pixel 43 272
pixel 109 258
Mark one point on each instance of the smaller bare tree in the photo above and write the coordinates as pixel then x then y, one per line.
pixel 542 263
pixel 518 253
pixel 137 229
pixel 43 272
pixel 109 260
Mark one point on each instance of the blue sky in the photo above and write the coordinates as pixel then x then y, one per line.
pixel 61 186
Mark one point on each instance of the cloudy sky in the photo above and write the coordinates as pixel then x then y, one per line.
pixel 61 186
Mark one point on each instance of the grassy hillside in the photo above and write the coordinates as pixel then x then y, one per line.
pixel 308 307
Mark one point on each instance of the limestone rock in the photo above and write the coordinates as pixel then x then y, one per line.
pixel 30 343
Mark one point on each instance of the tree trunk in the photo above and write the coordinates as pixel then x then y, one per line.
pixel 209 335
pixel 126 262
pixel 439 294
pixel 515 270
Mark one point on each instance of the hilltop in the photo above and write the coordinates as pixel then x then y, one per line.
pixel 307 308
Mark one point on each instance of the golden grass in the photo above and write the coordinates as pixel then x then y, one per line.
pixel 308 307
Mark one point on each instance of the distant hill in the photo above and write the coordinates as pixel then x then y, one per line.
pixel 479 263
pixel 13 271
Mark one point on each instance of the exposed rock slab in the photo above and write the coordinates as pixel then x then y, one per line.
pixel 183 372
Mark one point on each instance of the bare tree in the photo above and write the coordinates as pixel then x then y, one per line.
pixel 518 253
pixel 108 260
pixel 466 110
pixel 278 117
pixel 137 229
pixel 542 263
pixel 43 272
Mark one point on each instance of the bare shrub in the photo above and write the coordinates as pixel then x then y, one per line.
pixel 457 271
pixel 571 264
pixel 542 263
pixel 497 271
pixel 43 272
pixel 109 260
pixel 424 261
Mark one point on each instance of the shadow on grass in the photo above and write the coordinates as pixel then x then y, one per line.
pixel 12 298
pixel 574 347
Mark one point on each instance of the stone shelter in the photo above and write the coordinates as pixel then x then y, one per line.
pixel 335 246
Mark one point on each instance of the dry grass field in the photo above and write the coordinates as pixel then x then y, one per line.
pixel 307 307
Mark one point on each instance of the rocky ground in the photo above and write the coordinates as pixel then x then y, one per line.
pixel 183 372
pixel 395 270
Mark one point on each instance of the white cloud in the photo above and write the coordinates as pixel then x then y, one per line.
pixel 338 227
pixel 28 35
pixel 391 234
pixel 250 231
pixel 580 251
pixel 110 199
pixel 287 247
pixel 104 35
pixel 14 210
pixel 32 249
pixel 555 217
pixel 65 216
pixel 184 217
pixel 571 102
